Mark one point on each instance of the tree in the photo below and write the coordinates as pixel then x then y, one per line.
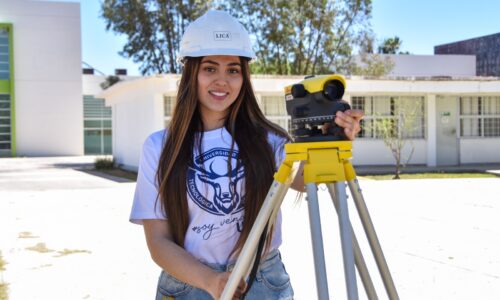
pixel 371 64
pixel 291 37
pixel 153 29
pixel 109 81
pixel 397 129
pixel 303 37
pixel 390 46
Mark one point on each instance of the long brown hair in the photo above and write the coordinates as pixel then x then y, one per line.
pixel 249 129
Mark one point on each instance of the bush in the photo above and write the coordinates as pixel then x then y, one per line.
pixel 104 163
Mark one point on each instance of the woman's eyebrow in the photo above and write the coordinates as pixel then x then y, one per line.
pixel 209 62
pixel 217 64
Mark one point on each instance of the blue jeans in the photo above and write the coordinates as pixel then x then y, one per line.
pixel 272 282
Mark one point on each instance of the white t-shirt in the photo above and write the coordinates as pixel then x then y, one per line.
pixel 215 202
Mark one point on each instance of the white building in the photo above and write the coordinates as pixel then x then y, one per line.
pixel 458 122
pixel 48 108
pixel 433 65
pixel 40 79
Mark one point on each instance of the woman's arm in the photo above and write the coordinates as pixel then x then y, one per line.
pixel 180 264
pixel 349 120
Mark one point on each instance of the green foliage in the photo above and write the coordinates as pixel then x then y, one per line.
pixel 153 29
pixel 110 80
pixel 104 163
pixel 291 37
pixel 391 46
pixel 303 37
pixel 372 65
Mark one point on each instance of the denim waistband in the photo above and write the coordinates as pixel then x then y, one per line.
pixel 271 257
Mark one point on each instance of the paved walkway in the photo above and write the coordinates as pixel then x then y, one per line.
pixel 65 235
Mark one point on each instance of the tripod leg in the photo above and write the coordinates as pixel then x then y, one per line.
pixel 373 239
pixel 346 241
pixel 273 199
pixel 358 255
pixel 317 241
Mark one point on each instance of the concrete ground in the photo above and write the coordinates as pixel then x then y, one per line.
pixel 65 234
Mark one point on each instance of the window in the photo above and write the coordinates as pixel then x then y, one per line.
pixel 406 114
pixel 168 108
pixel 5 129
pixel 480 116
pixel 273 105
pixel 168 105
pixel 4 54
pixel 97 126
pixel 274 108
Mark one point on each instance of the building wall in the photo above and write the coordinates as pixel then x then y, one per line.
pixel 433 65
pixel 375 152
pixel 480 150
pixel 48 82
pixel 138 111
pixel 485 48
pixel 133 121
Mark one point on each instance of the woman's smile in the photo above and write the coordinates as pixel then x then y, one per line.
pixel 218 95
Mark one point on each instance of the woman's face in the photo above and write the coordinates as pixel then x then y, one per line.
pixel 219 84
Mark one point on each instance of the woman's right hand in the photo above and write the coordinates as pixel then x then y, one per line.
pixel 219 282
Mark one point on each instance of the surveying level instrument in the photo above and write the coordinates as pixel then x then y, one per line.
pixel 313 102
pixel 325 162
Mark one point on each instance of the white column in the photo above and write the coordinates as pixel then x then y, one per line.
pixel 347 97
pixel 431 131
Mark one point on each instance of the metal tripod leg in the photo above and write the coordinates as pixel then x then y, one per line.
pixel 346 241
pixel 364 274
pixel 373 239
pixel 317 241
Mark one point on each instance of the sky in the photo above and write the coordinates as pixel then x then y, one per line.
pixel 420 24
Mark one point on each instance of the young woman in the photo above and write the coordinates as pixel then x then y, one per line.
pixel 202 181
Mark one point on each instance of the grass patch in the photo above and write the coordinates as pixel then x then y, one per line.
pixel 26 235
pixel 69 251
pixel 117 172
pixel 40 248
pixel 437 175
pixel 102 163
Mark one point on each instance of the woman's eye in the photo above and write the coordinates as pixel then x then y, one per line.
pixel 233 71
pixel 210 69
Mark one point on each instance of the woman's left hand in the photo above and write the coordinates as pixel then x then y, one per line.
pixel 349 120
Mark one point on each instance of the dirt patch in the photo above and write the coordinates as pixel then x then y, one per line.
pixel 69 251
pixel 4 287
pixel 40 248
pixel 26 235
pixel 42 266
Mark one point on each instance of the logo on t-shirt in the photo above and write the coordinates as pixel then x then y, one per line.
pixel 212 186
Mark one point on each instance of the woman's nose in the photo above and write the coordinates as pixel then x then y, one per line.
pixel 221 80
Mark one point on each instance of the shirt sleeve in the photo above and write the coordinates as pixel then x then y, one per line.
pixel 147 204
pixel 278 146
